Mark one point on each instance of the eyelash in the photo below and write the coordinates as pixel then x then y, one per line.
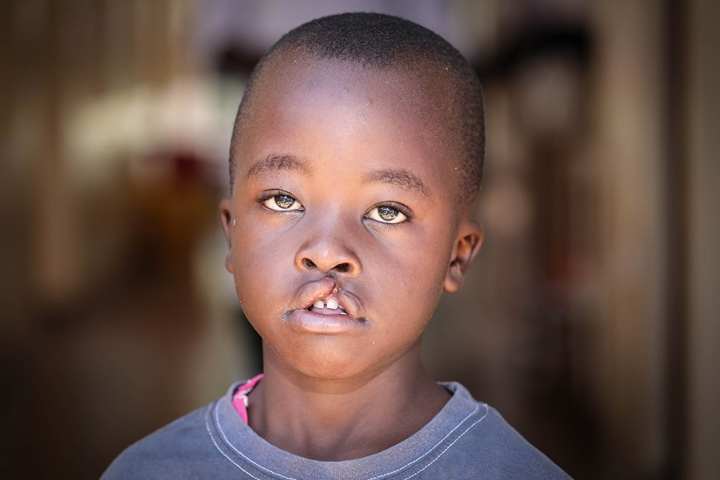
pixel 399 207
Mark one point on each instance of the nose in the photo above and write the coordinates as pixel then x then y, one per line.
pixel 328 248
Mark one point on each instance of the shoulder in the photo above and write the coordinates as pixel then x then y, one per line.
pixel 182 449
pixel 499 451
pixel 489 446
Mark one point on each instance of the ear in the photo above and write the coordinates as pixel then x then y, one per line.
pixel 227 220
pixel 467 245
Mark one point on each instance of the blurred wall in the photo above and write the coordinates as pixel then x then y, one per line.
pixel 58 57
pixel 704 241
pixel 632 264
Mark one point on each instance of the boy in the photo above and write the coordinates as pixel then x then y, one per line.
pixel 356 158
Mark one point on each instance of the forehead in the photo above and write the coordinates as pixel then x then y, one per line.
pixel 407 107
pixel 292 70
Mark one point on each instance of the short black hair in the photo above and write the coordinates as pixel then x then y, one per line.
pixel 382 41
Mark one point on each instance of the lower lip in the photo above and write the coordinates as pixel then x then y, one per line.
pixel 305 321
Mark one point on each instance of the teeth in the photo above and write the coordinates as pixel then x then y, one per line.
pixel 332 304
pixel 319 304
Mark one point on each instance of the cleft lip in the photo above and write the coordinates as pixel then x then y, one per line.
pixel 324 289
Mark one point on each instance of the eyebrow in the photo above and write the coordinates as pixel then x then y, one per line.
pixel 399 177
pixel 276 163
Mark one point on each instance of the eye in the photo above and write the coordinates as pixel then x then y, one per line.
pixel 386 214
pixel 282 203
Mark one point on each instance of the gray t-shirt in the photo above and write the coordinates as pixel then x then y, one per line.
pixel 467 439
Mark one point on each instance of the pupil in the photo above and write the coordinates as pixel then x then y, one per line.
pixel 387 213
pixel 283 201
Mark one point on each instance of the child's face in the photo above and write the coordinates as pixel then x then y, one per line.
pixel 345 192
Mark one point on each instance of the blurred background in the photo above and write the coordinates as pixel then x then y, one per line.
pixel 590 319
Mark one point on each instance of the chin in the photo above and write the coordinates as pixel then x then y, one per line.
pixel 330 362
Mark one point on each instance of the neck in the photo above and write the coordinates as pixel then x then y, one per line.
pixel 344 419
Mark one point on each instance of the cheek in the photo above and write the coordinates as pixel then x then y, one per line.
pixel 258 266
pixel 410 281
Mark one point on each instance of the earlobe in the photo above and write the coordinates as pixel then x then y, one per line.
pixel 467 245
pixel 228 222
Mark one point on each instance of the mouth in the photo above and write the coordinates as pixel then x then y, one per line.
pixel 326 309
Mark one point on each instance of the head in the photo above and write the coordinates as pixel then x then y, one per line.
pixel 356 158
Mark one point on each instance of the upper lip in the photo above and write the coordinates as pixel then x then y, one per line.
pixel 322 289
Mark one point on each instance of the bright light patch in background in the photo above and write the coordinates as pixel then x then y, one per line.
pixel 191 115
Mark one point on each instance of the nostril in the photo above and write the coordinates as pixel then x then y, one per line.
pixel 309 263
pixel 343 267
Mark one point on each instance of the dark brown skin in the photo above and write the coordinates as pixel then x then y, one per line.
pixel 340 387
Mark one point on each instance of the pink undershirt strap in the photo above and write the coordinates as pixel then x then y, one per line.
pixel 240 399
